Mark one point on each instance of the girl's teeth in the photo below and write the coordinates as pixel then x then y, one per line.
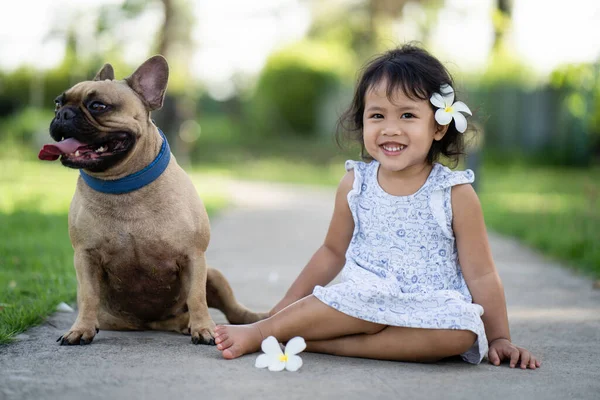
pixel 393 148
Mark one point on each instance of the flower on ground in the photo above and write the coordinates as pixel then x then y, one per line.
pixel 448 109
pixel 277 360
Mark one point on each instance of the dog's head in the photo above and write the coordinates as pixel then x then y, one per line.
pixel 98 123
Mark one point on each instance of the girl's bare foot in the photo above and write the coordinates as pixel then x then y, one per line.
pixel 236 340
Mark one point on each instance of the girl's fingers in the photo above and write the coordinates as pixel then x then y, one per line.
pixel 532 363
pixel 493 356
pixel 525 358
pixel 514 357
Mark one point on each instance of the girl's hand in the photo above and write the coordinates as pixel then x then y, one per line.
pixel 502 349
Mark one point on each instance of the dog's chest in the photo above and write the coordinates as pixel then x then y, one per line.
pixel 140 275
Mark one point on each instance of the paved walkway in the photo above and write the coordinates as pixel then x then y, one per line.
pixel 261 245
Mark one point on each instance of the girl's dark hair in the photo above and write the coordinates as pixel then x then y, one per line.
pixel 418 74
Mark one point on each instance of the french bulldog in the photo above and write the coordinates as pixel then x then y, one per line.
pixel 137 225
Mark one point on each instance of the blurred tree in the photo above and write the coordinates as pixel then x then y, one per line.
pixel 293 86
pixel 502 21
pixel 173 40
pixel 504 66
pixel 365 26
pixel 579 86
pixel 173 37
pixel 88 46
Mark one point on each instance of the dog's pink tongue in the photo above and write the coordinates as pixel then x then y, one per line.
pixel 51 152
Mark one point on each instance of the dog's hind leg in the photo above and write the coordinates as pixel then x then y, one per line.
pixel 219 295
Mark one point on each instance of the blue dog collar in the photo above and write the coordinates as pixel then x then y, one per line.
pixel 134 181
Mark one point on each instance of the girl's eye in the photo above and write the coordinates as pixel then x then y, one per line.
pixel 407 115
pixel 377 116
pixel 97 106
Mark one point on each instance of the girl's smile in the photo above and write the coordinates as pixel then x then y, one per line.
pixel 392 148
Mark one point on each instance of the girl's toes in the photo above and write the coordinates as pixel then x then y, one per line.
pixel 225 344
pixel 219 329
pixel 220 338
pixel 232 352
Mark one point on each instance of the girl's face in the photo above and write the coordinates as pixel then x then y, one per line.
pixel 400 132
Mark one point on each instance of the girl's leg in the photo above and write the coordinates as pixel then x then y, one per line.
pixel 399 343
pixel 308 317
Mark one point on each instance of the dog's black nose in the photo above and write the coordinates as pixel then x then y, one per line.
pixel 65 114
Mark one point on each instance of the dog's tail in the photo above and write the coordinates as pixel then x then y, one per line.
pixel 220 295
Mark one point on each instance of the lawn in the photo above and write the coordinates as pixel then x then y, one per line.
pixel 556 210
pixel 36 258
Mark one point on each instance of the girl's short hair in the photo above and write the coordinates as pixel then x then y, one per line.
pixel 418 74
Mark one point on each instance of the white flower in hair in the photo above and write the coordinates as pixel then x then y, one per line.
pixel 277 360
pixel 448 109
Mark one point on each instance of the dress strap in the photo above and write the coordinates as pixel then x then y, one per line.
pixel 361 175
pixel 440 199
pixel 446 178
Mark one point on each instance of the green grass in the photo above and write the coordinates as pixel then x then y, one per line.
pixel 556 210
pixel 36 257
pixel 279 170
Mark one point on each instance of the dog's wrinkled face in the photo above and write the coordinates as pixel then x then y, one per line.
pixel 98 123
pixel 88 114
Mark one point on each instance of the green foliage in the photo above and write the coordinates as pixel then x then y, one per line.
pixel 524 118
pixel 15 90
pixel 293 86
pixel 29 87
pixel 224 143
pixel 580 84
pixel 24 125
pixel 505 68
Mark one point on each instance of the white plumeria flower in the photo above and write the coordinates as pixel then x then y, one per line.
pixel 277 360
pixel 448 109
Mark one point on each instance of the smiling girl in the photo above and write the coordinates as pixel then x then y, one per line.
pixel 418 281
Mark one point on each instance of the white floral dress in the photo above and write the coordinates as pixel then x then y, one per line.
pixel 402 264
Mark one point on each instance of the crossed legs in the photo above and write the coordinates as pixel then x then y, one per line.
pixel 327 330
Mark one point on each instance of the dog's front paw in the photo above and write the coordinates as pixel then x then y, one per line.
pixel 203 333
pixel 78 335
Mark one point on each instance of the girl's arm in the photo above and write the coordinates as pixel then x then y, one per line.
pixel 480 274
pixel 329 259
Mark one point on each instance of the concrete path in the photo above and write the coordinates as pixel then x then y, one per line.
pixel 261 245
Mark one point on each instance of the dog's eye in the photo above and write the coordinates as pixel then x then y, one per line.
pixel 97 106
pixel 56 106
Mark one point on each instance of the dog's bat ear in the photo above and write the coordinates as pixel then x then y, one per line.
pixel 106 72
pixel 150 81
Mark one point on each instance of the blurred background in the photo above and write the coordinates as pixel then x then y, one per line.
pixel 252 76
pixel 256 88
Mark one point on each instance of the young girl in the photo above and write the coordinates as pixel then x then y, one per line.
pixel 418 281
